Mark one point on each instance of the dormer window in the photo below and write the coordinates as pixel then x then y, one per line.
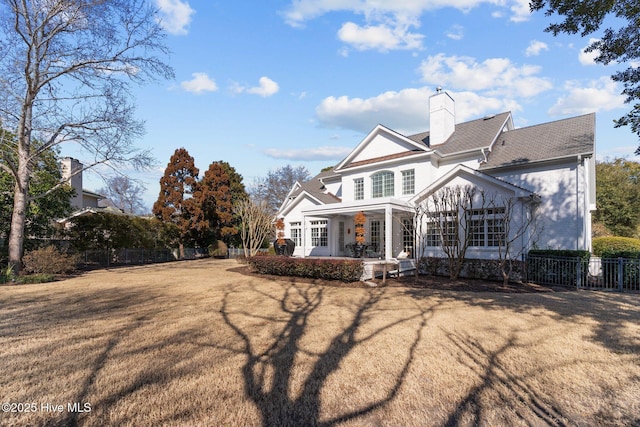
pixel 382 184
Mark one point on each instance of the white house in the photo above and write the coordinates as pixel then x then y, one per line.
pixel 387 174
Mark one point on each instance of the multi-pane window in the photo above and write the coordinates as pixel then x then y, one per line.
pixel 382 184
pixel 358 189
pixel 341 236
pixel 296 232
pixel 374 229
pixel 408 182
pixel 432 238
pixel 407 235
pixel 487 227
pixel 319 235
pixel 442 229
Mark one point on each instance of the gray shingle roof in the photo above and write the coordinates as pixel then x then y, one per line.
pixel 471 135
pixel 316 188
pixel 561 138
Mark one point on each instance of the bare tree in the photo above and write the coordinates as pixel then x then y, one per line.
pixel 276 185
pixel 256 224
pixel 518 229
pixel 124 193
pixel 65 72
pixel 448 215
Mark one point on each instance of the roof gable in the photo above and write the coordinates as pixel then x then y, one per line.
pixel 465 173
pixel 381 144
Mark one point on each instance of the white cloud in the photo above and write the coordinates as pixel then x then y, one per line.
pixel 535 47
pixel 520 10
pixel 406 111
pixel 588 58
pixel 598 95
pixel 309 154
pixel 200 83
pixel 496 76
pixel 379 37
pixel 266 88
pixel 386 24
pixel 456 32
pixel 175 15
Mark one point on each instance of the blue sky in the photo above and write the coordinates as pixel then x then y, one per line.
pixel 269 83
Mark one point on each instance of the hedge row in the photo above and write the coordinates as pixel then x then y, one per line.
pixel 609 244
pixel 328 269
pixel 560 253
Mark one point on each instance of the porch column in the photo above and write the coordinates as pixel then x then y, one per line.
pixel 388 232
pixel 304 236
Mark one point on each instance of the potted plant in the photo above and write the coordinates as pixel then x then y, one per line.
pixel 280 245
pixel 359 220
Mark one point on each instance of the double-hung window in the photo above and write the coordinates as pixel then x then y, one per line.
pixel 408 182
pixel 487 227
pixel 382 184
pixel 442 229
pixel 407 235
pixel 319 235
pixel 296 233
pixel 358 189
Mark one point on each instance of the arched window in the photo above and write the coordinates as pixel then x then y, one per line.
pixel 382 184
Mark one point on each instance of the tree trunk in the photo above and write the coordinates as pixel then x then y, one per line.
pixel 16 235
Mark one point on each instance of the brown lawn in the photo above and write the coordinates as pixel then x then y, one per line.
pixel 199 343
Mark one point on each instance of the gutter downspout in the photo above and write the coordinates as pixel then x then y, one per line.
pixel 578 223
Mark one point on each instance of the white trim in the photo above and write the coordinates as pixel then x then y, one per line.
pixel 378 130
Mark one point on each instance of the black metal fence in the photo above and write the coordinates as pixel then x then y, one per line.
pixel 619 274
pixel 113 257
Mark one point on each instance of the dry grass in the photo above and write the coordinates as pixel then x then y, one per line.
pixel 199 344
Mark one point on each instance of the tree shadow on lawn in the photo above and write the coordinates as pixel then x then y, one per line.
pixel 498 386
pixel 612 312
pixel 268 372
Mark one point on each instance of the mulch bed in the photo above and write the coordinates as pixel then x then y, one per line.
pixel 422 282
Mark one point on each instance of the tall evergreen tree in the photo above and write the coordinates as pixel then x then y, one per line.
pixel 179 198
pixel 216 202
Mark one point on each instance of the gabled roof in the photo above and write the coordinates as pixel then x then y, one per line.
pixel 547 141
pixel 473 135
pixel 314 189
pixel 462 170
pixel 412 147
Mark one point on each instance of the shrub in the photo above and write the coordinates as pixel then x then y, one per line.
pixel 560 253
pixel 602 244
pixel 328 269
pixel 48 261
pixel 36 278
pixel 218 249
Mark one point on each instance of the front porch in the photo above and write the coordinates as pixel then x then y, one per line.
pixel 329 231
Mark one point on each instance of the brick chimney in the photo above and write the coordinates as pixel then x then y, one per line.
pixel 442 115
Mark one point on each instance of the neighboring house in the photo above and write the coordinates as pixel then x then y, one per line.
pixel 83 198
pixel 388 174
pixel 84 202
